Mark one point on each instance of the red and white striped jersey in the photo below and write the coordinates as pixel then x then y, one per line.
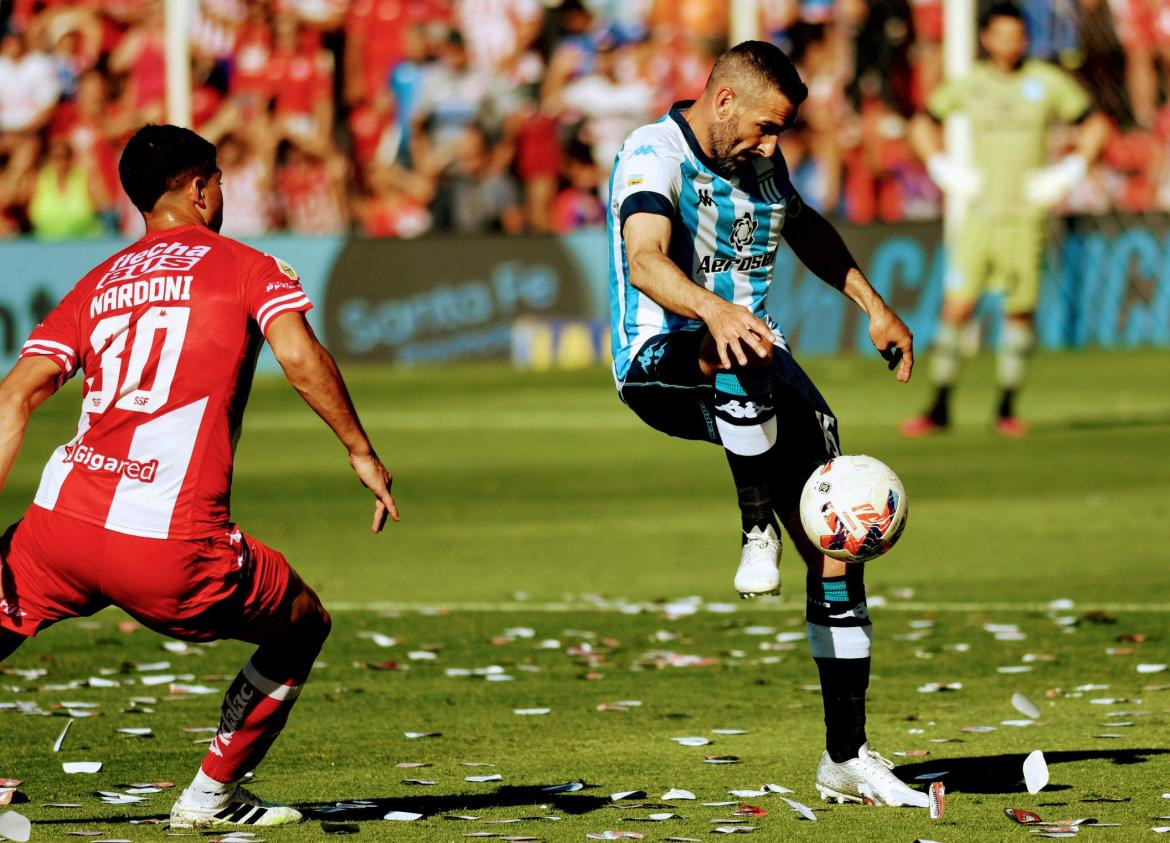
pixel 166 332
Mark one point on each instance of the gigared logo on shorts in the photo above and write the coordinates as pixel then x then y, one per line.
pixel 84 455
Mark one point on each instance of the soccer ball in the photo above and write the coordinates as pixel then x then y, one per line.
pixel 853 508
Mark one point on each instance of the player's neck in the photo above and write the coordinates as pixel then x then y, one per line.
pixel 1005 67
pixel 164 218
pixel 696 117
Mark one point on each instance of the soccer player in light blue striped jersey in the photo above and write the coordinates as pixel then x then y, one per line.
pixel 699 202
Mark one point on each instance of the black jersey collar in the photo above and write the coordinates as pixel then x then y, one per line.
pixel 676 114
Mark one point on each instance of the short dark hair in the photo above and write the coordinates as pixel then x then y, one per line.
pixel 1001 9
pixel 159 159
pixel 767 63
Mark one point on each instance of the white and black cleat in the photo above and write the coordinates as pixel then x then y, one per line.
pixel 867 779
pixel 759 564
pixel 245 809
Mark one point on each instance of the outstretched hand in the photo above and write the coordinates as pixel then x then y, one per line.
pixel 893 341
pixel 378 480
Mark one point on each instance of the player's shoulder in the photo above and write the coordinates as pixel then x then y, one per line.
pixel 250 257
pixel 661 139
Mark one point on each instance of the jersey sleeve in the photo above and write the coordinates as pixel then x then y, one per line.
pixel 274 288
pixel 646 179
pixel 946 99
pixel 57 337
pixel 1069 100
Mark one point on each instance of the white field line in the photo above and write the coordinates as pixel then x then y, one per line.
pixel 746 605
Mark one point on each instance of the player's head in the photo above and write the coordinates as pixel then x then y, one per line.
pixel 754 91
pixel 170 168
pixel 1003 32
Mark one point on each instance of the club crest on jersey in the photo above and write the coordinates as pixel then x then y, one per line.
pixel 743 231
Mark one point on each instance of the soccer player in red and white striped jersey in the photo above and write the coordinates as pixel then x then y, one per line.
pixel 134 510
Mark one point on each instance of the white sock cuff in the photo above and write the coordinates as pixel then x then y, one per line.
pixel 947 338
pixel 747 440
pixel 266 686
pixel 839 642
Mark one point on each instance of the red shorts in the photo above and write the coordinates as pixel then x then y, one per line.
pixel 56 567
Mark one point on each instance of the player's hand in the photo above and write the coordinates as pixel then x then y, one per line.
pixel 953 178
pixel 1048 185
pixel 378 480
pixel 893 341
pixel 740 337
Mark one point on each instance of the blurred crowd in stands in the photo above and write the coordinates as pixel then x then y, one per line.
pixel 394 118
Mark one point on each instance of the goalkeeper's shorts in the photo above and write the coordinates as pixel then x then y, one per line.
pixel 999 256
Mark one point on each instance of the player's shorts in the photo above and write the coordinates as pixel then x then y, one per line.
pixel 57 567
pixel 1000 256
pixel 666 389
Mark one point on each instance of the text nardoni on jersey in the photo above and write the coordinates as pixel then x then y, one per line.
pixel 168 288
pixel 84 455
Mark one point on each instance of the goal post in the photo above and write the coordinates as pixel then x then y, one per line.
pixel 178 57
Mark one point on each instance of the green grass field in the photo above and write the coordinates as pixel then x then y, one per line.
pixel 536 503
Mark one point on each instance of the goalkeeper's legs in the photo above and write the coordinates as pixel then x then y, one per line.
pixel 1015 346
pixel 945 362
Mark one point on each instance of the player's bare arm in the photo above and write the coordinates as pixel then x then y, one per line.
pixel 821 249
pixel 739 336
pixel 311 370
pixel 31 381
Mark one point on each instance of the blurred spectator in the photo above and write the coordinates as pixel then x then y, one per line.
pixel 396 204
pixel 311 189
pixel 141 58
pixel 611 101
pixel 300 77
pixel 67 195
pixel 1143 27
pixel 247 187
pixel 476 196
pixel 579 202
pixel 29 86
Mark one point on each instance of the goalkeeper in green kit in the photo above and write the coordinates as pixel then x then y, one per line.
pixel 1011 102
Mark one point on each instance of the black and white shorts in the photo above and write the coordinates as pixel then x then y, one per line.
pixel 667 390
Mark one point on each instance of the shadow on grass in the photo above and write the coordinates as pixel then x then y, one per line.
pixel 428 805
pixel 508 796
pixel 1005 773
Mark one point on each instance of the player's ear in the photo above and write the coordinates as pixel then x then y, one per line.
pixel 725 101
pixel 197 190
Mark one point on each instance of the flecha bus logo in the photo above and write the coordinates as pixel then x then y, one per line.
pixel 160 257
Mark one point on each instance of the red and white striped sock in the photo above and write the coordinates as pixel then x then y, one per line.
pixel 255 709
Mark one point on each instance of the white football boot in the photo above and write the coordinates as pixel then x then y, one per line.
pixel 866 778
pixel 759 571
pixel 245 808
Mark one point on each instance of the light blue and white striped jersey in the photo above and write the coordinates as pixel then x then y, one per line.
pixel 724 236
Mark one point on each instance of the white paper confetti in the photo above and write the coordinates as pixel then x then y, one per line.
pixel 677 793
pixel 402 816
pixel 81 766
pixel 14 826
pixel 691 741
pixel 61 737
pixel 495 777
pixel 531 712
pixel 800 808
pixel 1035 772
pixel 1150 668
pixel 1025 706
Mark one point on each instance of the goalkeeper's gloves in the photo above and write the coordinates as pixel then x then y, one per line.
pixel 953 178
pixel 1046 186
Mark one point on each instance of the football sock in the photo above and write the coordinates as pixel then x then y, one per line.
pixel 206 792
pixel 839 633
pixel 1007 401
pixel 746 420
pixel 939 411
pixel 1014 347
pixel 745 414
pixel 944 369
pixel 255 709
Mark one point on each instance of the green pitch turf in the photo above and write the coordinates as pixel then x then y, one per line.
pixel 528 498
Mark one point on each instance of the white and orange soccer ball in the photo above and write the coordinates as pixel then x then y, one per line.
pixel 853 508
